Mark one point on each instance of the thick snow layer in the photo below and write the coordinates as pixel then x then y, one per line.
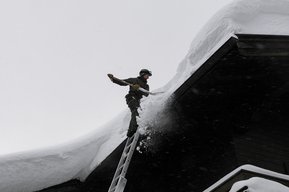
pixel 39 169
pixel 36 170
pixel 256 184
pixel 240 17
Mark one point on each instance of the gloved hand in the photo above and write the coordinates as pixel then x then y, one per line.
pixel 110 76
pixel 135 86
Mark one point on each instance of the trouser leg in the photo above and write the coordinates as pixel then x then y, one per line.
pixel 133 123
pixel 133 105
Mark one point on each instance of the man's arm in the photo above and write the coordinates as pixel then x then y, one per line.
pixel 117 81
pixel 147 93
pixel 124 82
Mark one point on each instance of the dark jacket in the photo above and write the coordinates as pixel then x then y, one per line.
pixel 132 92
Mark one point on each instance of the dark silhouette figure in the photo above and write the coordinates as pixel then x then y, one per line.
pixel 134 95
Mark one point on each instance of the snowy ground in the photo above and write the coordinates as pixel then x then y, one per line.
pixel 39 169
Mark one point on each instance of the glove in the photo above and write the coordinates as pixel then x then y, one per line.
pixel 135 86
pixel 110 76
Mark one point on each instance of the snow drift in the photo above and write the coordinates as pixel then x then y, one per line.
pixel 39 169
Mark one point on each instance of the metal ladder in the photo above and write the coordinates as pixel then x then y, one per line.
pixel 119 181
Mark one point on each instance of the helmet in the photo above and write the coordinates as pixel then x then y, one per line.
pixel 145 72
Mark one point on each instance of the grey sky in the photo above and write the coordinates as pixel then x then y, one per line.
pixel 55 54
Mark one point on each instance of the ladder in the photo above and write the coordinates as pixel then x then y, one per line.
pixel 119 181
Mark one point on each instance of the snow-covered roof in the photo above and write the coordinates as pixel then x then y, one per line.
pixel 267 17
pixel 247 168
pixel 36 170
pixel 257 184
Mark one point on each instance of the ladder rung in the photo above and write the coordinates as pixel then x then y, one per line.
pixel 129 141
pixel 112 189
pixel 129 145
pixel 121 167
pixel 117 177
pixel 124 155
pixel 119 187
pixel 122 158
pixel 118 172
pixel 126 150
pixel 131 138
pixel 115 181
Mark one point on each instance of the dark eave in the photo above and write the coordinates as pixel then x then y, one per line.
pixel 248 45
pixel 263 45
pixel 206 67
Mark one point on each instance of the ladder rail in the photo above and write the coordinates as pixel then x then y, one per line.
pixel 118 182
pixel 120 163
pixel 130 153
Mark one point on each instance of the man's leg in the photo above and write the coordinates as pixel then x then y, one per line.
pixel 133 105
pixel 133 123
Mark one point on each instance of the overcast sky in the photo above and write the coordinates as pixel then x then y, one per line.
pixel 55 54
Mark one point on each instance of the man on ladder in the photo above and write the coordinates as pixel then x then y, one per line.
pixel 138 89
